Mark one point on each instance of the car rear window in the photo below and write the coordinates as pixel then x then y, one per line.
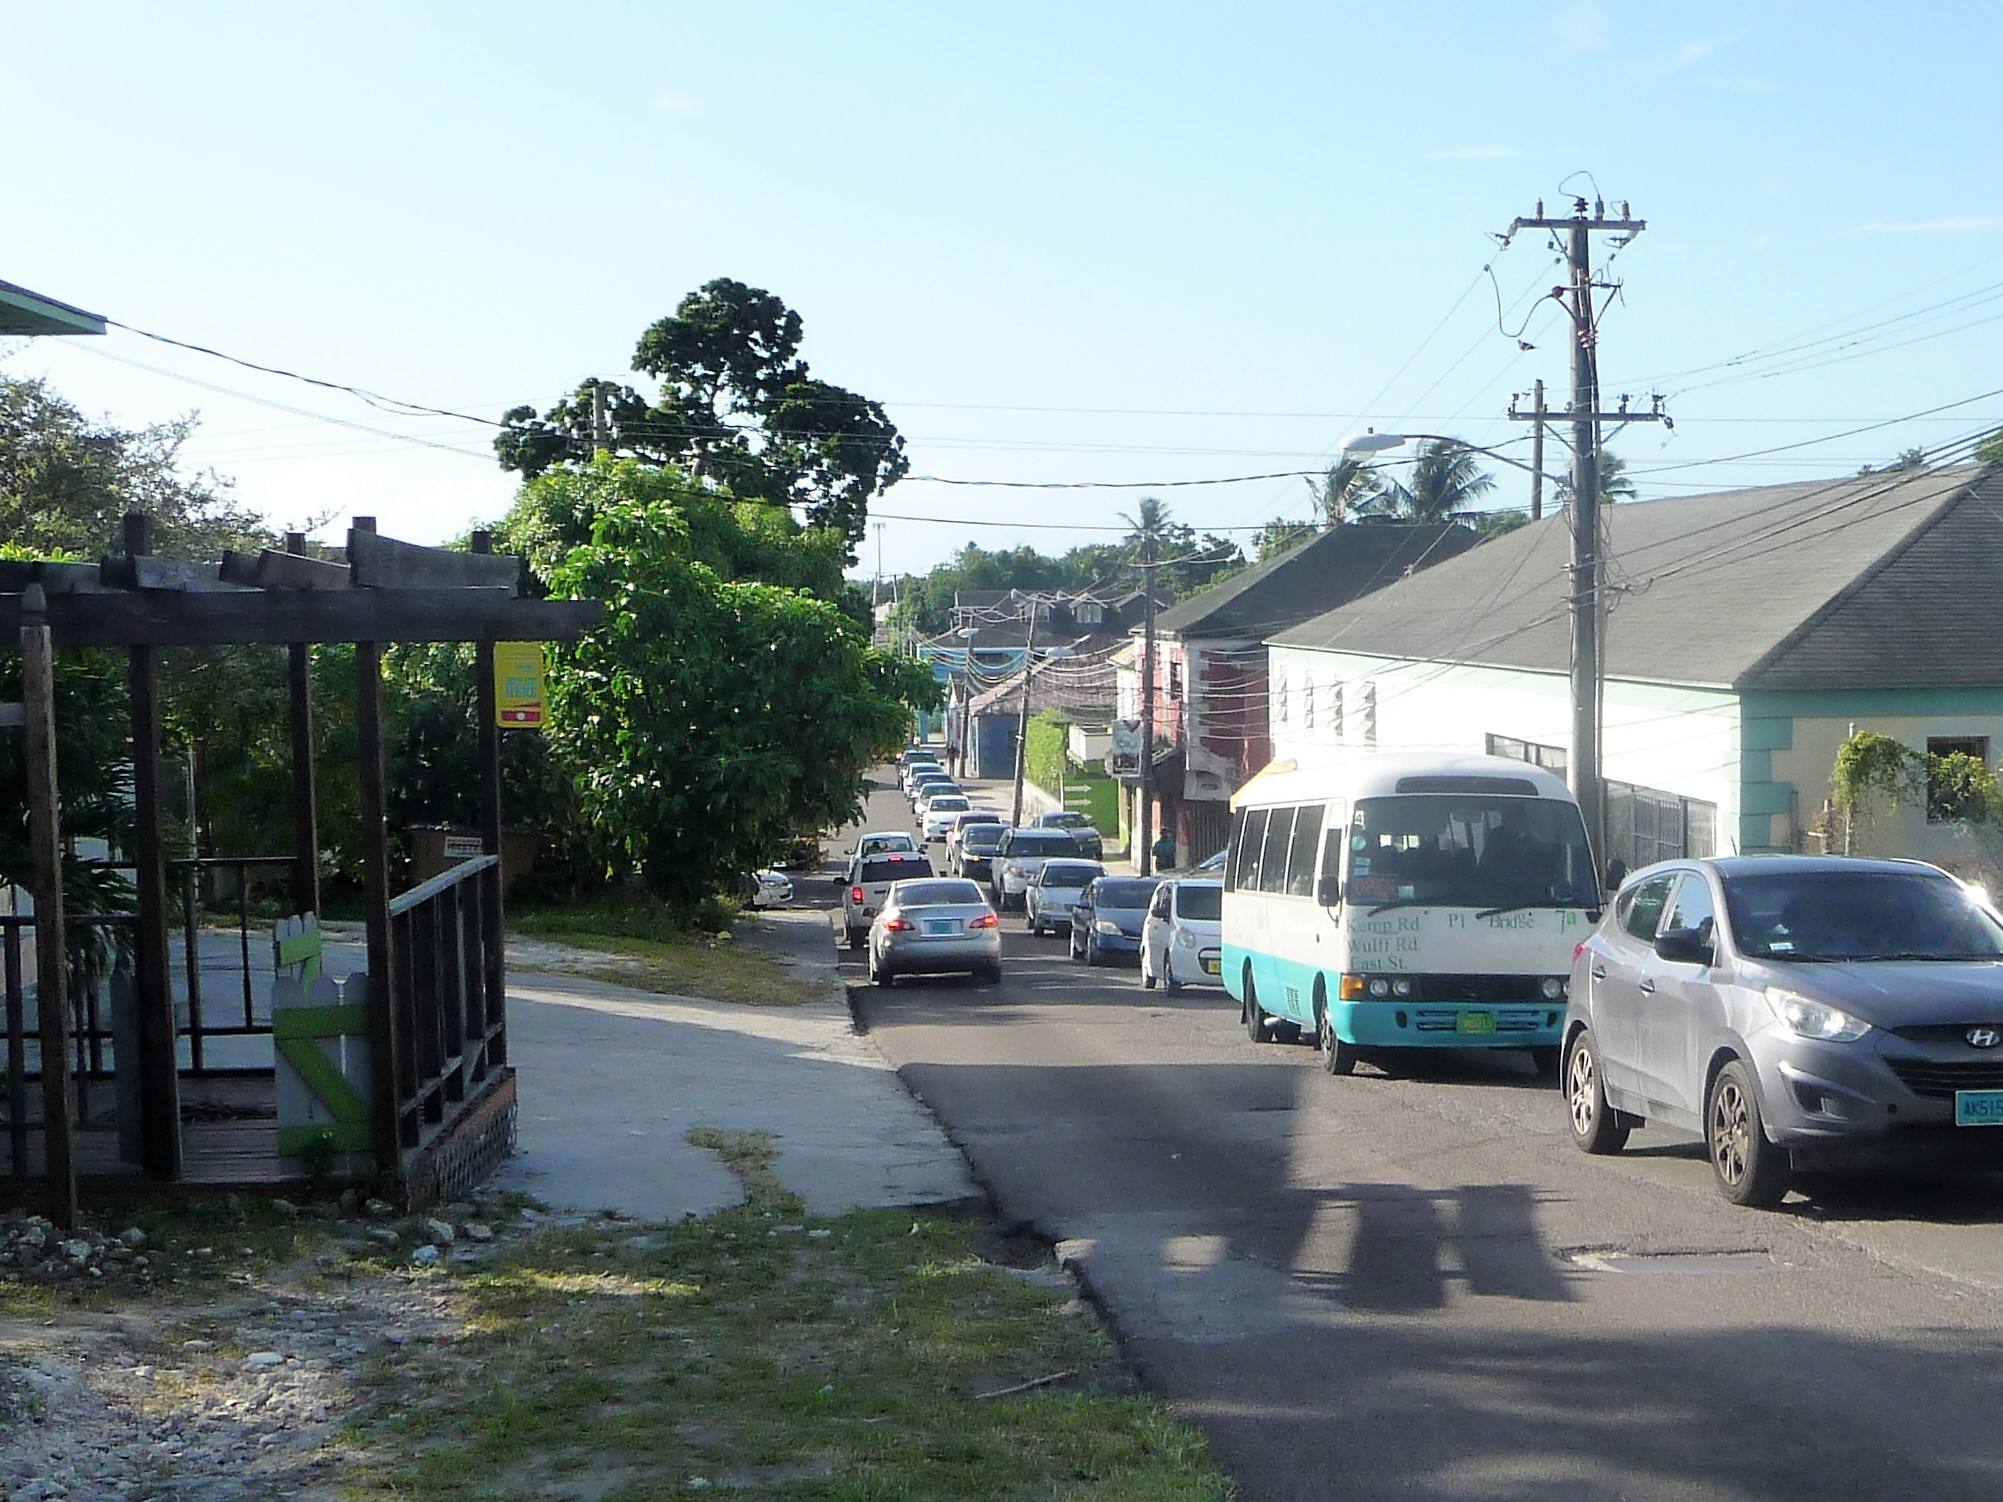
pixel 935 893
pixel 1204 903
pixel 1034 842
pixel 948 803
pixel 981 836
pixel 1068 873
pixel 893 868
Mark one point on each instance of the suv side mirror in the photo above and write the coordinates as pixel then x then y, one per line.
pixel 1328 891
pixel 1684 946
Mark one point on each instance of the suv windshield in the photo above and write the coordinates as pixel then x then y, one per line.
pixel 1068 874
pixel 1859 915
pixel 1204 903
pixel 1469 850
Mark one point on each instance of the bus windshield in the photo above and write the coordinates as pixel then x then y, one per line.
pixel 1469 850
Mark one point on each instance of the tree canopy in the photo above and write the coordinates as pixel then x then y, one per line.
pixel 1446 479
pixel 735 409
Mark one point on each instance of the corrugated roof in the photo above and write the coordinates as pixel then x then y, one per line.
pixel 1331 569
pixel 1879 581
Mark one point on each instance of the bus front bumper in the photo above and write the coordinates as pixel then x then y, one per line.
pixel 1449 1024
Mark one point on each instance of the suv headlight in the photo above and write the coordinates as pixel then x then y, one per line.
pixel 1815 1019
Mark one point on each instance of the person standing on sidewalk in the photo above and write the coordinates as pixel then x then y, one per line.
pixel 1164 851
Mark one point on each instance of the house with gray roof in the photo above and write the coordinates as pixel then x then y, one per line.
pixel 1747 634
pixel 1210 681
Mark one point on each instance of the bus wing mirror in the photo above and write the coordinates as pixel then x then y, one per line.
pixel 1328 892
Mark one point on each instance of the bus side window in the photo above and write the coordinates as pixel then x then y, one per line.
pixel 1246 859
pixel 1273 864
pixel 1306 845
pixel 1234 847
pixel 1332 843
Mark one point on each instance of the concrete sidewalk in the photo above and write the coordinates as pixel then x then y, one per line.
pixel 611 1081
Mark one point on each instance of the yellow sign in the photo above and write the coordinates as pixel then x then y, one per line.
pixel 518 667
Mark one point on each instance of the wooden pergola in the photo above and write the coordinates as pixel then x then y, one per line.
pixel 436 1021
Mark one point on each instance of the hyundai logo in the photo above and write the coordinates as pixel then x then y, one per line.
pixel 1983 1037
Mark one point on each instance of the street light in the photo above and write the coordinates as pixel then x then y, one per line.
pixel 1583 600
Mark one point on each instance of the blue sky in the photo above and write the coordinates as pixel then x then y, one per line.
pixel 1108 242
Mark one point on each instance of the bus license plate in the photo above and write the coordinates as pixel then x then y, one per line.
pixel 1974 1108
pixel 1476 1024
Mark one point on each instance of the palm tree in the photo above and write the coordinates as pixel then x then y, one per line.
pixel 1149 519
pixel 1445 480
pixel 1344 491
pixel 1615 486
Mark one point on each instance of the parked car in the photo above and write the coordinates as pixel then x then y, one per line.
pixel 973 857
pixel 1795 1011
pixel 1091 844
pixel 1182 939
pixel 769 888
pixel 1212 865
pixel 958 826
pixel 1107 917
pixel 914 770
pixel 917 753
pixel 1018 858
pixel 884 841
pixel 934 928
pixel 938 811
pixel 870 878
pixel 927 782
pixel 1047 901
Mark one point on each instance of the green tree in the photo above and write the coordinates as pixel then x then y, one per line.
pixel 1903 461
pixel 708 718
pixel 737 410
pixel 1277 537
pixel 1446 480
pixel 1990 449
pixel 1344 491
pixel 1615 486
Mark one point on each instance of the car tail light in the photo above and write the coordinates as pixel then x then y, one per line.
pixel 986 920
pixel 900 925
pixel 855 896
pixel 1577 950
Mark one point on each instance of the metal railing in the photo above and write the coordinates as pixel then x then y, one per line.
pixel 193 871
pixel 449 990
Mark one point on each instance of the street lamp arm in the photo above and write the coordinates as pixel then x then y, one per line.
pixel 1373 442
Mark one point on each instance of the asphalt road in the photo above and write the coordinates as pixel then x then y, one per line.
pixel 1413 1286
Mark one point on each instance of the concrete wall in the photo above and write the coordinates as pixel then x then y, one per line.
pixel 1800 736
pixel 1678 740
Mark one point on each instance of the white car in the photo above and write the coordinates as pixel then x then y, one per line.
pixel 937 814
pixel 1052 891
pixel 1182 941
pixel 771 888
pixel 885 842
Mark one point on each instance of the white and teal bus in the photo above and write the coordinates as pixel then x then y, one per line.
pixel 1403 900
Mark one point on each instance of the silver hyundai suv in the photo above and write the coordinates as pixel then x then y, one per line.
pixel 1794 1011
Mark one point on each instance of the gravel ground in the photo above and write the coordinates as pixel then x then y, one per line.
pixel 146 1373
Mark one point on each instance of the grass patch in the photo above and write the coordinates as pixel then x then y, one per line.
pixel 639 941
pixel 771 1354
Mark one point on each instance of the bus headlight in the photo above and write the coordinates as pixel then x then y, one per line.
pixel 1554 987
pixel 1401 988
pixel 1380 987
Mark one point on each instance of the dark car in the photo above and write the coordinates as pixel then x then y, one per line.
pixel 973 857
pixel 1106 920
pixel 1091 844
pixel 1794 1011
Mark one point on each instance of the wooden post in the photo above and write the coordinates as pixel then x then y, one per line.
pixel 494 977
pixel 52 999
pixel 305 810
pixel 383 1032
pixel 158 1066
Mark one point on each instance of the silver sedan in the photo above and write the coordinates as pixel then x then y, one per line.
pixel 1795 1012
pixel 935 927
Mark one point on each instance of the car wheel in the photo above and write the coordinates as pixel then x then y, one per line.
pixel 989 974
pixel 880 974
pixel 1168 981
pixel 1253 1015
pixel 1092 955
pixel 1337 1057
pixel 1147 971
pixel 1751 1170
pixel 1546 1061
pixel 1595 1126
pixel 857 937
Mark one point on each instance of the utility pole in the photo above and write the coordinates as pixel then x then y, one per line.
pixel 1586 575
pixel 1144 825
pixel 601 439
pixel 1537 455
pixel 1022 718
pixel 876 589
